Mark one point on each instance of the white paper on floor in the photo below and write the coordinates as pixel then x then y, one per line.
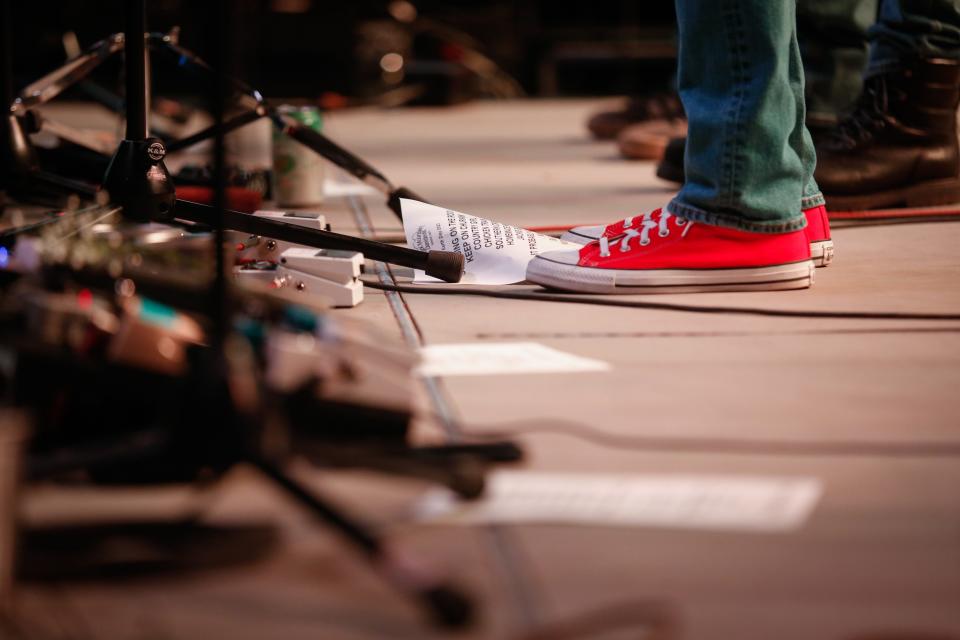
pixel 494 253
pixel 750 503
pixel 488 358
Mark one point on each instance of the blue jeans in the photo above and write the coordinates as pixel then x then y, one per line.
pixel 833 42
pixel 749 158
pixel 910 29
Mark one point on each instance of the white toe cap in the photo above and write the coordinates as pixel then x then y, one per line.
pixel 562 256
pixel 583 235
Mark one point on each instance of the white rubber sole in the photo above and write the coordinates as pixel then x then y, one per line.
pixel 558 275
pixel 821 252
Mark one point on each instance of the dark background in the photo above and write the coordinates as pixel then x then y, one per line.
pixel 305 48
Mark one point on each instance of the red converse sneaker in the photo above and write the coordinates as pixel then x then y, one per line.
pixel 662 253
pixel 817 230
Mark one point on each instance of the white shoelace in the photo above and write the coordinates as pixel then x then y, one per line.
pixel 647 225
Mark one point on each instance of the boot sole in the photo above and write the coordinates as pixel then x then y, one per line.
pixel 821 252
pixel 923 194
pixel 557 275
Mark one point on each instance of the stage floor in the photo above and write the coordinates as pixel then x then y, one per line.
pixel 879 552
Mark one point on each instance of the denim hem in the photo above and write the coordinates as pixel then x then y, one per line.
pixel 731 221
pixel 816 200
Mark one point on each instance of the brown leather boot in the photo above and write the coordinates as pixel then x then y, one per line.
pixel 899 146
pixel 648 140
pixel 606 125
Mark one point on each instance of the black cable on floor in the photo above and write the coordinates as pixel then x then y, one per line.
pixel 660 306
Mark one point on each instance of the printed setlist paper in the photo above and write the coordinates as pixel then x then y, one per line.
pixel 494 253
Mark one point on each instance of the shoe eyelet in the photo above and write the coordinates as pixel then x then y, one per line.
pixel 643 244
pixel 681 221
pixel 624 249
pixel 663 234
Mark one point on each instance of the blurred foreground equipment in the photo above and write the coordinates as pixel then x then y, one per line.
pixel 108 327
pixel 140 363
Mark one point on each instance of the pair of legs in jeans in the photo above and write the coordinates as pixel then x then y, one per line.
pixel 749 158
pixel 749 190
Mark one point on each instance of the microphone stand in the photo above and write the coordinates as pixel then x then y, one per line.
pixel 137 178
pixel 252 102
pixel 446 604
